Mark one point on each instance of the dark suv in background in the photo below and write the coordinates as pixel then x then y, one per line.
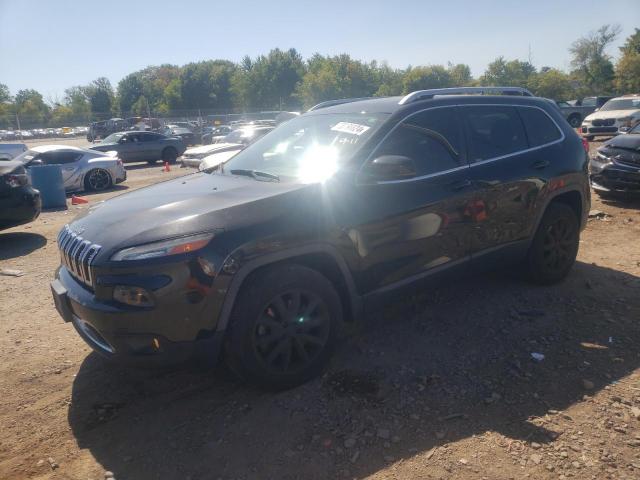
pixel 267 256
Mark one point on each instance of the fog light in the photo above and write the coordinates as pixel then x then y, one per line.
pixel 131 295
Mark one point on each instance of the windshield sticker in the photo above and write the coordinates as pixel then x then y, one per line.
pixel 352 128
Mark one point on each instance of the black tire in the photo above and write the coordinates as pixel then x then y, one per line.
pixel 268 341
pixel 555 245
pixel 574 120
pixel 97 180
pixel 169 154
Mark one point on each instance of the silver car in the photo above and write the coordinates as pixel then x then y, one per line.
pixel 82 169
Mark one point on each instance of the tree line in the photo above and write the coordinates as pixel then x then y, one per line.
pixel 283 80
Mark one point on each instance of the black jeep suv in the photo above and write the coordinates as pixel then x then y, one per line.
pixel 266 257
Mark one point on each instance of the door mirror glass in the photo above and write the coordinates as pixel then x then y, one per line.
pixel 390 167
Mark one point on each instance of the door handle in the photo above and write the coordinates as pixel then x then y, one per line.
pixel 540 164
pixel 460 185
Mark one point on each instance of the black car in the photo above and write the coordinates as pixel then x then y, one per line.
pixel 615 169
pixel 187 136
pixel 267 257
pixel 19 202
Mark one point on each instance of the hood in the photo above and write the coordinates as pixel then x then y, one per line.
pixel 217 159
pixel 611 114
pixel 190 204
pixel 9 166
pixel 630 141
pixel 205 150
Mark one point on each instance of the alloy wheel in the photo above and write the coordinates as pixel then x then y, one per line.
pixel 292 330
pixel 99 179
pixel 558 245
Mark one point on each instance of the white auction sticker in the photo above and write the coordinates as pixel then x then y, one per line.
pixel 352 128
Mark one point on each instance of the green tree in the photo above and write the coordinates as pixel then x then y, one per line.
pixel 101 97
pixel 389 80
pixel 552 83
pixel 76 100
pixel 5 94
pixel 31 108
pixel 592 66
pixel 460 75
pixel 269 81
pixel 207 85
pixel 503 73
pixel 628 66
pixel 422 78
pixel 335 77
pixel 130 89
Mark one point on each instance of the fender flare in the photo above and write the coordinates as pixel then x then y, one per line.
pixel 247 269
pixel 550 198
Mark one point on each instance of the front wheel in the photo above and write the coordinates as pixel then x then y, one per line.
pixel 555 245
pixel 283 327
pixel 97 180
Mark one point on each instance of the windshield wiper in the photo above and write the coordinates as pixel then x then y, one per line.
pixel 256 175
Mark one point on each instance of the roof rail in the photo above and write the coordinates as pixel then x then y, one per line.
pixel 331 103
pixel 425 94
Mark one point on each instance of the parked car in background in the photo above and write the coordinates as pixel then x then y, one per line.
pixel 105 128
pixel 193 156
pixel 618 115
pixel 309 227
pixel 11 150
pixel 247 135
pixel 187 136
pixel 20 203
pixel 82 169
pixel 615 169
pixel 216 160
pixel 142 146
pixel 215 134
pixel 576 110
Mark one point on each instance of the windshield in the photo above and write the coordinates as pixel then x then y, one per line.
pixel 26 157
pixel 113 138
pixel 622 104
pixel 635 129
pixel 308 148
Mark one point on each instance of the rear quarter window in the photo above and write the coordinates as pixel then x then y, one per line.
pixel 494 131
pixel 541 130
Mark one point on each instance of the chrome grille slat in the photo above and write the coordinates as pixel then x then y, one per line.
pixel 77 254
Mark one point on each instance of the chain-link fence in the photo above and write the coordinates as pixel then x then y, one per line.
pixel 21 126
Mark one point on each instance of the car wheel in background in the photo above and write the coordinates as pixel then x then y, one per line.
pixel 575 121
pixel 283 326
pixel 555 245
pixel 97 180
pixel 170 155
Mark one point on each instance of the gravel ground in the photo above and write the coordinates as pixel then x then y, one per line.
pixel 439 385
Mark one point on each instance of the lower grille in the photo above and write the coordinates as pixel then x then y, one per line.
pixel 603 122
pixel 77 254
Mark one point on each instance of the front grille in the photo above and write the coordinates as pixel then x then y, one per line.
pixel 603 122
pixel 77 254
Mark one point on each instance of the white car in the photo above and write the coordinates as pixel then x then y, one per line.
pixel 82 169
pixel 216 159
pixel 193 156
pixel 618 115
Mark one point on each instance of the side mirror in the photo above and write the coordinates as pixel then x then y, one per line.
pixel 390 167
pixel 36 163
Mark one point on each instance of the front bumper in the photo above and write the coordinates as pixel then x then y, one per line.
pixel 155 336
pixel 22 205
pixel 614 177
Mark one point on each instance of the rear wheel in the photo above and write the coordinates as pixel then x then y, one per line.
pixel 170 155
pixel 555 245
pixel 283 327
pixel 97 180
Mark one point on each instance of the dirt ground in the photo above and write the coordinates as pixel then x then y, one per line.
pixel 432 388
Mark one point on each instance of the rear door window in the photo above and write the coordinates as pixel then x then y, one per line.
pixel 541 130
pixel 494 131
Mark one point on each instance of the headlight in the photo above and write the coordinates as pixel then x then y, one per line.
pixel 164 248
pixel 601 158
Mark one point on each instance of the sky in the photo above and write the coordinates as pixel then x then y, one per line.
pixel 50 45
